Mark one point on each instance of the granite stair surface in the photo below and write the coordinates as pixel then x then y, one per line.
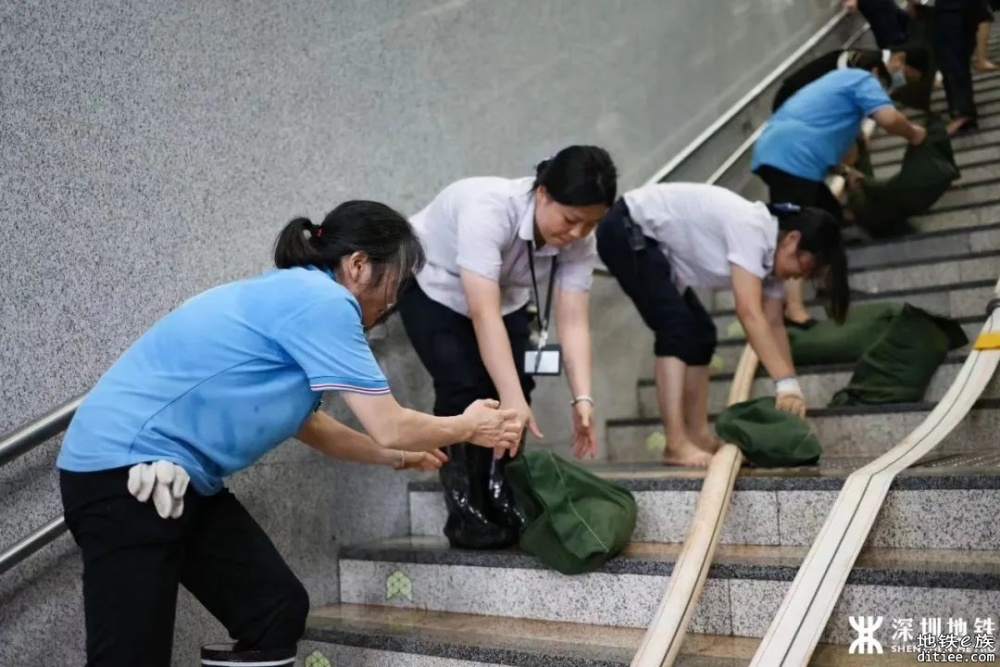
pixel 744 588
pixel 934 550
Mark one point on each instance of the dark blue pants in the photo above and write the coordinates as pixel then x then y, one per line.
pixel 481 509
pixel 954 44
pixel 681 325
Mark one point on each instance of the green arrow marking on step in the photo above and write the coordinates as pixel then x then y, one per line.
pixel 317 659
pixel 717 364
pixel 656 442
pixel 398 584
pixel 735 330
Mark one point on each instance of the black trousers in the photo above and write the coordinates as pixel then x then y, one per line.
pixel 954 44
pixel 785 187
pixel 133 562
pixel 888 22
pixel 481 509
pixel 681 325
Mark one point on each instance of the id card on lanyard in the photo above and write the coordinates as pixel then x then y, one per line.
pixel 545 359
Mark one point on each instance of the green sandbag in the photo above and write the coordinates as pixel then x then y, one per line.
pixel 575 521
pixel 768 437
pixel 883 208
pixel 900 364
pixel 830 343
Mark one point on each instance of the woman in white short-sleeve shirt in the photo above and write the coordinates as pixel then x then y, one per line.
pixel 468 317
pixel 661 240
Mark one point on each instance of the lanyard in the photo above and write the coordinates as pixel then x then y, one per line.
pixel 543 335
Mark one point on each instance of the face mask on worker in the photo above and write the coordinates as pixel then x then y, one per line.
pixel 898 79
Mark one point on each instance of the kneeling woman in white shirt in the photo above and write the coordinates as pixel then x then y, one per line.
pixel 661 240
pixel 492 245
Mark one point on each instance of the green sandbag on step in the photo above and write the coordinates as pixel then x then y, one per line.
pixel 829 343
pixel 575 521
pixel 900 363
pixel 883 208
pixel 768 437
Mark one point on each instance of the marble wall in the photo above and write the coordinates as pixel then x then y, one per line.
pixel 149 150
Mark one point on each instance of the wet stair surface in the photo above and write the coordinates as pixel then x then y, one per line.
pixel 934 550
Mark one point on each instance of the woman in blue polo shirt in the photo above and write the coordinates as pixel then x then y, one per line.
pixel 208 390
pixel 811 133
pixel 493 245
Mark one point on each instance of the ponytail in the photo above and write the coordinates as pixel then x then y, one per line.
pixel 294 248
pixel 383 235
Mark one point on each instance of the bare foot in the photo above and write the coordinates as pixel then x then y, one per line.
pixel 956 125
pixel 985 66
pixel 685 454
pixel 709 444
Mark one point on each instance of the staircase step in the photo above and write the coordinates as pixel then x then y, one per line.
pixel 960 237
pixel 743 591
pixel 843 431
pixel 965 267
pixel 957 300
pixel 986 99
pixel 974 165
pixel 435 635
pixel 984 193
pixel 819 383
pixel 989 119
pixel 946 503
pixel 985 137
pixel 371 635
pixel 982 214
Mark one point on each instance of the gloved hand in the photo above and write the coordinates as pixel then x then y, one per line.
pixel 166 482
pixel 788 396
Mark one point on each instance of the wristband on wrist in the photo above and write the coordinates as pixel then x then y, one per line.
pixel 402 461
pixel 582 397
pixel 788 385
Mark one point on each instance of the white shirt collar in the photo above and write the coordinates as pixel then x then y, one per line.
pixel 842 60
pixel 526 220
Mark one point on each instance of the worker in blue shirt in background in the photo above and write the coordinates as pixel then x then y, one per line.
pixel 208 390
pixel 811 133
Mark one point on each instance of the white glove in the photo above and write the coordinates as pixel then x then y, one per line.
pixel 166 482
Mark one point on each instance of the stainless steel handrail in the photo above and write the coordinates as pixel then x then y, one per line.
pixel 31 435
pixel 20 442
pixel 32 543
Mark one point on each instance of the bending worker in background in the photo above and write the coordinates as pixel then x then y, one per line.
pixel 662 240
pixel 806 139
pixel 207 391
pixel 494 244
pixel 904 64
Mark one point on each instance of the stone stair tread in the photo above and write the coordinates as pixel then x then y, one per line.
pixel 839 411
pixel 518 642
pixel 900 293
pixel 739 341
pixel 928 568
pixel 473 637
pixel 806 369
pixel 974 470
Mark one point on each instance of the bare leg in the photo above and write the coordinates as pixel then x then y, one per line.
pixel 795 305
pixel 696 408
pixel 982 59
pixel 670 379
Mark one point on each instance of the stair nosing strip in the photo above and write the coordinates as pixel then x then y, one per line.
pixel 386 640
pixel 723 568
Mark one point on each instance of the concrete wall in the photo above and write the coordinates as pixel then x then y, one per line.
pixel 149 150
